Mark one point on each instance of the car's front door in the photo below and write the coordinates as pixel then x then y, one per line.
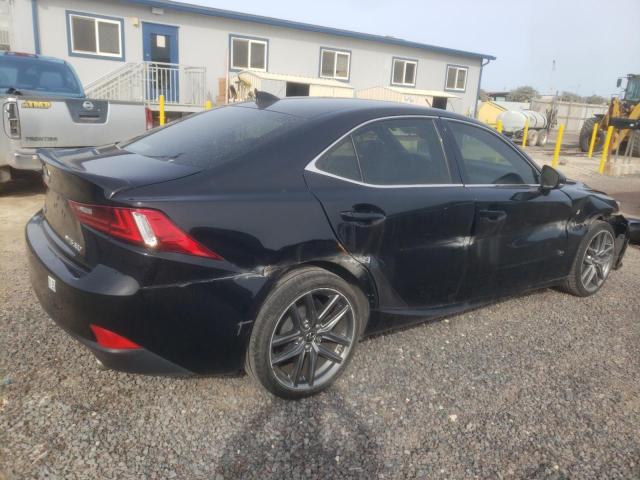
pixel 398 206
pixel 520 232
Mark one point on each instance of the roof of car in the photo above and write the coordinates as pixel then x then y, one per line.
pixel 312 107
pixel 31 55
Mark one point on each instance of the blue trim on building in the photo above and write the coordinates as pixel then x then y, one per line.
pixel 245 37
pixel 36 27
pixel 415 74
pixel 68 14
pixel 276 22
pixel 339 50
pixel 466 78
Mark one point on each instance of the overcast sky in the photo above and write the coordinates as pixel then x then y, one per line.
pixel 591 44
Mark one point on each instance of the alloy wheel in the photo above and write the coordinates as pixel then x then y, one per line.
pixel 312 339
pixel 597 261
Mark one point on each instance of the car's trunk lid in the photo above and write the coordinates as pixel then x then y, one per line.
pixel 92 176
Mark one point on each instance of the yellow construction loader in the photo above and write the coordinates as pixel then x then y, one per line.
pixel 623 114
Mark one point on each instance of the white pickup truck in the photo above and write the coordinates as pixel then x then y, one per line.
pixel 44 106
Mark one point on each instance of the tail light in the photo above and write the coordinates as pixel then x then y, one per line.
pixel 11 119
pixel 148 117
pixel 108 339
pixel 140 226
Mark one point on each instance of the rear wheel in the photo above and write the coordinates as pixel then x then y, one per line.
pixel 305 333
pixel 585 135
pixel 532 137
pixel 593 262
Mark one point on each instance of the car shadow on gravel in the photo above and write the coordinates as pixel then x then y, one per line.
pixel 319 437
pixel 22 187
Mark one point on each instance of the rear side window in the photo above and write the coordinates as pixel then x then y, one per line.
pixel 401 152
pixel 341 160
pixel 213 138
pixel 488 160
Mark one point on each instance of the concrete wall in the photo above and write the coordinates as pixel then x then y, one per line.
pixel 571 114
pixel 204 41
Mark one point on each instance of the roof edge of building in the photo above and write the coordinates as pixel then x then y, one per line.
pixel 278 22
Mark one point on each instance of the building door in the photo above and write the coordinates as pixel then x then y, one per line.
pixel 440 102
pixel 160 49
pixel 297 89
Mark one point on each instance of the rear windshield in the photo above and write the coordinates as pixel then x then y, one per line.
pixel 212 138
pixel 29 75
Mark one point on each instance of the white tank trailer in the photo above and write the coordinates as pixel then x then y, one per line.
pixel 513 122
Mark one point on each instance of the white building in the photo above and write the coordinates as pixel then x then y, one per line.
pixel 120 47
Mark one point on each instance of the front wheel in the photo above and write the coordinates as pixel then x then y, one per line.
pixel 585 135
pixel 593 262
pixel 306 333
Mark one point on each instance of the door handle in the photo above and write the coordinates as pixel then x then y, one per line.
pixel 364 218
pixel 493 215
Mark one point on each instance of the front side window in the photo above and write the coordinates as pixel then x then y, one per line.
pixel 489 160
pixel 247 53
pixel 95 35
pixel 404 72
pixel 334 64
pixel 456 78
pixel 401 152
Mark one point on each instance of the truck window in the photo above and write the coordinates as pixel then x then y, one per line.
pixel 32 75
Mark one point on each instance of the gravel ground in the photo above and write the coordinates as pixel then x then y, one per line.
pixel 542 386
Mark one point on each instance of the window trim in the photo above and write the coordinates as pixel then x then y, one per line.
pixel 404 71
pixel 264 41
pixel 460 162
pixel 336 51
pixel 458 68
pixel 311 166
pixel 96 18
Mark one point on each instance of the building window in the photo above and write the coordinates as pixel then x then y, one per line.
pixel 248 53
pixel 334 64
pixel 404 72
pixel 456 78
pixel 95 35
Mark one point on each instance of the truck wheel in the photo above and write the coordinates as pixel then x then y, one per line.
pixel 585 135
pixel 543 136
pixel 532 138
pixel 636 143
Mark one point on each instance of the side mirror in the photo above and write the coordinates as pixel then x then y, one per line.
pixel 550 178
pixel 619 82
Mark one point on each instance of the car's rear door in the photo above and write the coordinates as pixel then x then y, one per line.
pixel 519 239
pixel 398 206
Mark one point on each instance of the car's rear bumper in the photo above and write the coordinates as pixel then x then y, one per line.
pixel 201 327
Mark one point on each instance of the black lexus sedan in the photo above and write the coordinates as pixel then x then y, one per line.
pixel 271 236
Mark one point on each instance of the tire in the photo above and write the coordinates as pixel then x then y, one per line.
pixel 586 258
pixel 636 143
pixel 283 349
pixel 543 136
pixel 585 135
pixel 532 138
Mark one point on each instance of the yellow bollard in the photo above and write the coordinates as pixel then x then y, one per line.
pixel 556 152
pixel 161 106
pixel 207 105
pixel 499 126
pixel 526 132
pixel 592 143
pixel 605 150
